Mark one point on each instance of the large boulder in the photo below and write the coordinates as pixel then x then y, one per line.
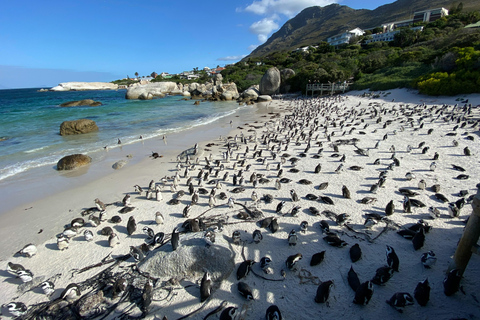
pixel 73 161
pixel 191 258
pixel 251 93
pixel 270 83
pixel 286 74
pixel 264 98
pixel 82 86
pixel 85 102
pixel 228 91
pixel 77 127
pixel 151 90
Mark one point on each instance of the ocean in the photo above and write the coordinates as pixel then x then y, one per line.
pixel 30 124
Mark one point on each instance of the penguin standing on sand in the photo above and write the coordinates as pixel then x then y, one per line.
pixel 205 287
pixel 229 313
pixel 273 313
pixel 292 261
pixel 364 293
pixel 323 291
pixel 422 292
pixel 70 293
pixel 245 290
pixel 131 225
pixel 175 239
pixel 392 258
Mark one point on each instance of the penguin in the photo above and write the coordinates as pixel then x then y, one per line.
pixel 451 283
pixel 467 152
pixel 113 239
pixel 273 313
pixel 279 207
pixel 48 287
pixel 175 239
pixel 94 221
pixel 70 293
pixel 14 268
pixel 382 275
pixel 100 205
pixel 149 232
pixel 419 239
pixel 400 300
pixel 25 275
pixel 205 287
pixel 137 254
pixel 77 223
pixel 293 196
pixel 369 223
pixel 453 210
pixel 138 189
pixel 116 219
pixel 273 225
pixel 304 226
pixel 392 259
pixel 16 309
pixel 434 212
pixel 353 280
pixel 88 235
pixel 236 237
pixel 318 168
pixel 245 290
pixel 119 287
pixel 62 242
pixel 407 205
pixel 324 226
pixel 422 292
pixel 355 252
pixel 433 166
pixel 292 238
pixel 390 208
pixel 159 217
pixel 292 261
pixel 244 268
pixel 70 232
pixel 131 225
pixel 428 259
pixel 409 176
pixel 147 297
pixel 364 293
pixel 278 184
pixel 422 184
pixel 257 236
pixel 229 313
pixel 265 264
pixel 323 291
pixel 126 200
pixel 107 231
pixel 28 250
pixel 346 192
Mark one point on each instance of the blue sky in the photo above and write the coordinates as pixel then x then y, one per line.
pixel 44 43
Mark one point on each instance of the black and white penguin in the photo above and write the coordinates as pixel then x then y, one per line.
pixel 265 264
pixel 62 242
pixel 100 205
pixel 292 261
pixel 149 232
pixel 244 269
pixel 205 287
pixel 88 235
pixel 273 225
pixel 419 239
pixel 304 226
pixel 382 275
pixel 257 236
pixel 131 225
pixel 364 293
pixel 292 238
pixel 28 251
pixel 77 223
pixel 353 280
pixel 16 309
pixel 113 239
pixel 136 253
pixel 323 291
pixel 14 268
pixel 428 259
pixel 407 205
pixel 400 300
pixel 422 292
pixel 346 192
pixel 317 258
pixel 25 275
pixel 245 290
pixel 355 252
pixel 70 293
pixel 175 239
pixel 94 220
pixel 273 313
pixel 280 207
pixel 48 287
pixel 392 258
pixel 451 283
pixel 158 238
pixel 159 219
pixel 229 313
pixel 390 208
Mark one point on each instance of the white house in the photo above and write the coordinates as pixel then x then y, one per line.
pixel 388 36
pixel 344 38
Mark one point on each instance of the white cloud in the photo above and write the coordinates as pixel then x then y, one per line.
pixel 264 27
pixel 288 8
pixel 232 58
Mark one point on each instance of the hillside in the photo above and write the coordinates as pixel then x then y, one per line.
pixel 316 24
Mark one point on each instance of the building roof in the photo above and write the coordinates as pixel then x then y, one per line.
pixel 473 25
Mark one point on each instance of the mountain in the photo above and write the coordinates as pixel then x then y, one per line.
pixel 316 24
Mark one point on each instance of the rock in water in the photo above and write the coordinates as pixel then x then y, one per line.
pixel 77 127
pixel 85 102
pixel 192 257
pixel 73 161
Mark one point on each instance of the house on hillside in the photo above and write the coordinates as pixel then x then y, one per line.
pixel 388 36
pixel 344 38
pixel 429 15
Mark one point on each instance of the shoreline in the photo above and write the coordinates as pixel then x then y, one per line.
pixel 298 288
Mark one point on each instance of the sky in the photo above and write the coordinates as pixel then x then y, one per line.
pixel 44 43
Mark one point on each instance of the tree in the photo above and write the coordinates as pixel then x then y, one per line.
pixel 153 74
pixel 136 74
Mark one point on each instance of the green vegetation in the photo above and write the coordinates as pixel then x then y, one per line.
pixel 125 82
pixel 444 59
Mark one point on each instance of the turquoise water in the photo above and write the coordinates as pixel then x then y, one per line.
pixel 30 124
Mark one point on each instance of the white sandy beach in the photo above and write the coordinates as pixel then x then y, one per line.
pixel 295 294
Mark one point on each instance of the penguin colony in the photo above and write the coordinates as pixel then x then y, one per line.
pixel 299 235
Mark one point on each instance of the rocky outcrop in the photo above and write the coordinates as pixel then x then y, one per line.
pixel 251 93
pixel 85 102
pixel 285 75
pixel 270 83
pixel 151 90
pixel 73 161
pixel 82 86
pixel 77 127
pixel 119 164
pixel 264 98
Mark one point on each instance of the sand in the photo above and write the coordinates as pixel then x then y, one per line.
pixel 295 294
